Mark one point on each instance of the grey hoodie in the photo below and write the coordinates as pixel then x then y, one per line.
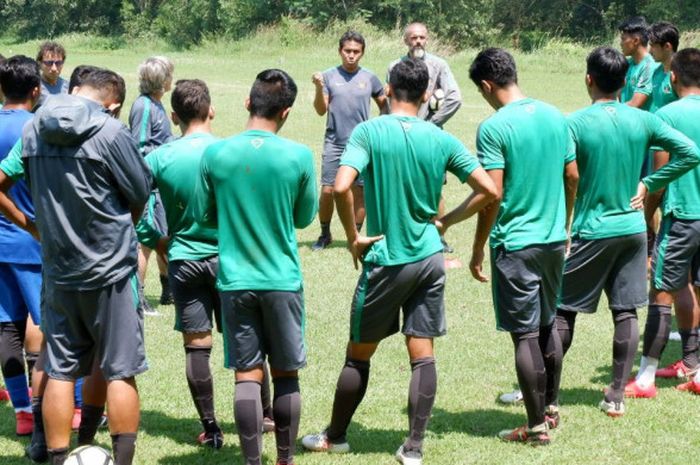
pixel 85 175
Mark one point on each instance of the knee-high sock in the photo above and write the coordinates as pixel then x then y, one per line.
pixel 287 411
pixel 38 436
pixel 625 343
pixel 421 397
pixel 12 363
pixel 656 330
pixel 689 341
pixel 351 388
pixel 248 414
pixel 565 323
pixel 552 354
pixel 199 380
pixel 265 393
pixel 123 448
pixel 58 456
pixel 89 422
pixel 529 365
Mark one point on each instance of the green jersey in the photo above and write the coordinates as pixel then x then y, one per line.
pixel 682 197
pixel 638 79
pixel 172 166
pixel 529 140
pixel 612 140
pixel 258 187
pixel 662 92
pixel 402 161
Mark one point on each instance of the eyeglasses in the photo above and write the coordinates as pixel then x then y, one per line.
pixel 52 62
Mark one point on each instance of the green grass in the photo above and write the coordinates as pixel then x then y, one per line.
pixel 475 362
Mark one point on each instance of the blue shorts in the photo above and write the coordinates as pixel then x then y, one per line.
pixel 20 292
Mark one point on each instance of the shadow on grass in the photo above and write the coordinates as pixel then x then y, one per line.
pixel 365 440
pixel 479 423
pixel 182 431
pixel 336 244
pixel 580 396
pixel 603 375
pixel 224 456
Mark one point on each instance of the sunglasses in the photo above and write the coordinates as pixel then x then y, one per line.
pixel 53 62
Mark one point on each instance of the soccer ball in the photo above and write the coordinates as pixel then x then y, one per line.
pixel 89 455
pixel 436 99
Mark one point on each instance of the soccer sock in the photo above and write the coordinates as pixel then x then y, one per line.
pixel 78 393
pixel 565 323
pixel 689 341
pixel 625 343
pixel 30 358
pixel 248 415
pixel 123 447
pixel 12 363
pixel 38 437
pixel 326 229
pixel 351 388
pixel 200 381
pixel 89 422
pixel 287 410
pixel 265 395
pixel 647 371
pixel 58 456
pixel 552 354
pixel 529 365
pixel 656 331
pixel 421 397
pixel 358 226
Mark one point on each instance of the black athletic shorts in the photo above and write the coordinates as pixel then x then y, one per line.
pixel 197 303
pixel 677 254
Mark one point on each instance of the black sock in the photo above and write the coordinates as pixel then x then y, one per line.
pixel 30 358
pixel 656 330
pixel 358 226
pixel 689 341
pixel 89 422
pixel 200 381
pixel 529 365
pixel 552 354
pixel 265 395
pixel 38 437
pixel 123 448
pixel 287 407
pixel 421 397
pixel 351 388
pixel 625 343
pixel 58 456
pixel 248 415
pixel 565 324
pixel 325 229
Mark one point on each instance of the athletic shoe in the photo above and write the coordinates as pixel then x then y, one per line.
pixel 322 242
pixel 674 336
pixel 104 421
pixel 408 457
pixel 4 395
pixel 691 386
pixel 268 425
pixel 632 389
pixel 537 436
pixel 677 369
pixel 37 452
pixel 511 398
pixel 612 409
pixel 446 248
pixel 148 310
pixel 25 423
pixel 551 416
pixel 320 443
pixel 214 439
pixel 77 417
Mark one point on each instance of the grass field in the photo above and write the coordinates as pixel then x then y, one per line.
pixel 475 362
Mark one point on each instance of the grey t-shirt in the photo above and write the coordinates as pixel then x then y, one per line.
pixel 61 87
pixel 149 123
pixel 86 176
pixel 349 100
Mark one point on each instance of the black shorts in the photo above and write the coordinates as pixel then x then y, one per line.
pixel 676 254
pixel 197 303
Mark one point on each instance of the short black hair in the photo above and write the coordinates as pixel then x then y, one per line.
pixel 273 91
pixel 19 75
pixel 409 80
pixel 190 100
pixel 686 67
pixel 78 75
pixel 495 65
pixel 50 47
pixel 351 36
pixel 636 26
pixel 664 32
pixel 608 68
pixel 108 83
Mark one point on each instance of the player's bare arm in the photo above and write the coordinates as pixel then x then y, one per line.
pixel 321 100
pixel 484 193
pixel 484 224
pixel 570 187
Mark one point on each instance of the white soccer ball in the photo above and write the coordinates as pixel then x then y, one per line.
pixel 436 100
pixel 89 455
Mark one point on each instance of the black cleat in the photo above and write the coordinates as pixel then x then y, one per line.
pixel 322 242
pixel 37 452
pixel 213 439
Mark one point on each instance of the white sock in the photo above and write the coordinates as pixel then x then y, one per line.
pixel 24 409
pixel 697 377
pixel 647 371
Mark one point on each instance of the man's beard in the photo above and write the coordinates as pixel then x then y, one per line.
pixel 417 52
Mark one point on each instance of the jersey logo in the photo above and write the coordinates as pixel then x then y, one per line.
pixel 362 84
pixel 181 205
pixel 406 126
pixel 611 110
pixel 257 142
pixel 339 83
pixel 530 108
pixel 666 89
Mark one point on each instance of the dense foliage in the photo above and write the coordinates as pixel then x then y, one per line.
pixel 524 23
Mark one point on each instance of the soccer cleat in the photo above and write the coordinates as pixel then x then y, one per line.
pixel 268 425
pixel 77 417
pixel 320 443
pixel 147 309
pixel 4 395
pixel 214 439
pixel 25 423
pixel 446 248
pixel 634 390
pixel 322 242
pixel 535 436
pixel 677 369
pixel 674 336
pixel 551 416
pixel 691 386
pixel 612 409
pixel 408 457
pixel 511 398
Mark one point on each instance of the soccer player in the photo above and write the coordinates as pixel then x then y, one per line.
pixel 259 272
pixel 608 234
pixel 676 254
pixel 525 140
pixel 20 253
pixel 150 127
pixel 51 57
pixel 403 160
pixel 89 262
pixel 344 93
pixel 663 44
pixel 634 39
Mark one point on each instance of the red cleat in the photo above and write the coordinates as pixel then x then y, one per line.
pixel 4 395
pixel 25 423
pixel 690 386
pixel 635 390
pixel 77 417
pixel 677 369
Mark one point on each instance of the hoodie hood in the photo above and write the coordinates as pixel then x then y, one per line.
pixel 68 120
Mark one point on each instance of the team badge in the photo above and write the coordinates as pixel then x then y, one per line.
pixel 257 142
pixel 611 110
pixel 530 108
pixel 362 84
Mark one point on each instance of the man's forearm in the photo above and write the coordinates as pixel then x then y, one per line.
pixel 484 224
pixel 345 203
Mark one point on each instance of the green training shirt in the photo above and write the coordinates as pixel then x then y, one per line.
pixel 174 167
pixel 529 140
pixel 403 160
pixel 258 187
pixel 638 79
pixel 682 196
pixel 662 92
pixel 612 140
